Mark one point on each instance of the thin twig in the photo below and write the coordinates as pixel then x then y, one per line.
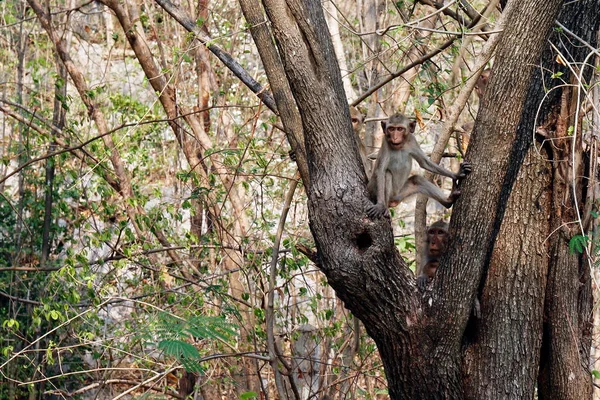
pixel 269 312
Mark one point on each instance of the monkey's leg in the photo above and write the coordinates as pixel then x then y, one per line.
pixel 418 184
pixel 380 209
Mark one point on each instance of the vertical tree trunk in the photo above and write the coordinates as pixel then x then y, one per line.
pixel 512 302
pixel 496 151
pixel 358 255
pixel 564 369
pixel 515 290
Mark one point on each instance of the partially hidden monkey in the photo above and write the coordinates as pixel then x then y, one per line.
pixel 390 182
pixel 435 246
pixel 482 82
pixel 357 124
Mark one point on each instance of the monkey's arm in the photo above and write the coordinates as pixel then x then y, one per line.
pixel 425 163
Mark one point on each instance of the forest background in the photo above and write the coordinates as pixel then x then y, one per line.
pixel 157 240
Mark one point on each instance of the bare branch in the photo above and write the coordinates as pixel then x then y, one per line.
pixel 186 21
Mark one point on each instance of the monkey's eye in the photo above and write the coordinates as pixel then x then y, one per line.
pixel 354 120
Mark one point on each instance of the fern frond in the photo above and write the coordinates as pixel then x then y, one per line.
pixel 179 349
pixel 211 328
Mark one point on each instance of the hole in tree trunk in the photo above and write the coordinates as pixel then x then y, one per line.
pixel 363 241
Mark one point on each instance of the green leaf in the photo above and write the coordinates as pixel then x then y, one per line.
pixel 11 323
pixel 578 243
pixel 248 395
pixel 192 365
pixel 328 314
pixel 596 374
pixel 179 349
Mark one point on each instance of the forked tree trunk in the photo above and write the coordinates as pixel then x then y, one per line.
pixel 358 255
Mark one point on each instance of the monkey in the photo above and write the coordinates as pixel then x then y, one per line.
pixel 390 182
pixel 482 82
pixel 358 119
pixel 435 246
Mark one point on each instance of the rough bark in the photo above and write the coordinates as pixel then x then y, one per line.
pixel 358 255
pixel 565 362
pixel 523 261
pixel 503 360
pixel 282 94
pixel 479 211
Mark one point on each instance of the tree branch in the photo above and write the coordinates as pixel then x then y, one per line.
pixel 413 64
pixel 190 25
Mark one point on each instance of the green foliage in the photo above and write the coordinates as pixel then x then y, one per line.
pixel 186 353
pixel 405 244
pixel 173 333
pixel 434 90
pixel 578 243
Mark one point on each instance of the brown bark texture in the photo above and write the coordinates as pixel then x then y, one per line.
pixel 503 356
pixel 496 151
pixel 358 255
pixel 533 285
pixel 565 355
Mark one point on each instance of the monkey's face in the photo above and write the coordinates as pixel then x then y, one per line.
pixel 356 123
pixel 437 239
pixel 396 136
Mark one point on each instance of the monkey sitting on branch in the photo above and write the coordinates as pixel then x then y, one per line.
pixel 390 182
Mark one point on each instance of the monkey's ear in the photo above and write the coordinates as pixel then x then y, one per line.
pixel 411 126
pixel 383 125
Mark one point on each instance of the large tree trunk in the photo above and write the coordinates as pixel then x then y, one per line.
pixel 532 249
pixel 358 255
pixel 565 362
pixel 512 302
pixel 496 151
